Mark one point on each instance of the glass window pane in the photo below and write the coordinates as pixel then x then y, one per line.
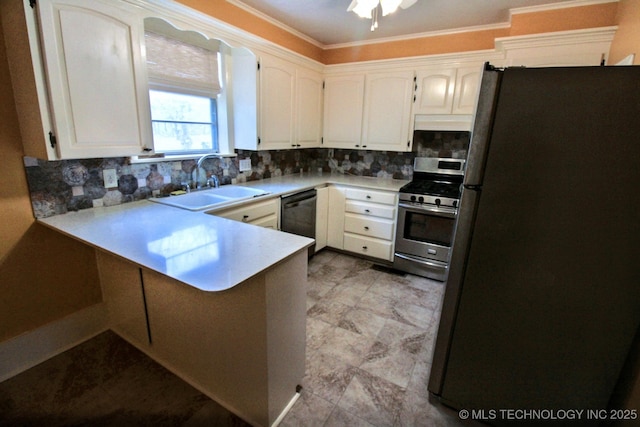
pixel 179 107
pixel 183 122
pixel 169 137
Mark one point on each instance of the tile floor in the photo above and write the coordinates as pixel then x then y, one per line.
pixel 370 334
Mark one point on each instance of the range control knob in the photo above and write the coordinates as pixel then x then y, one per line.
pixel 413 198
pixel 421 199
pixel 455 203
pixel 438 201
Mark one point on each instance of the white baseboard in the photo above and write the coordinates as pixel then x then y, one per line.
pixel 29 349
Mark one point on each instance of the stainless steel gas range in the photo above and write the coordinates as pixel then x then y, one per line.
pixel 427 212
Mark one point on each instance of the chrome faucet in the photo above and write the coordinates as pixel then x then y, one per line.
pixel 216 181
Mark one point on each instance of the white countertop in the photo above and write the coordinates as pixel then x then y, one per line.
pixel 205 251
pixel 292 183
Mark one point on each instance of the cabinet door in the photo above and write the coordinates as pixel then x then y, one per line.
pixel 343 107
pixel 466 90
pixel 335 223
pixel 308 109
pixel 97 87
pixel 387 111
pixel 434 91
pixel 277 80
pixel 322 217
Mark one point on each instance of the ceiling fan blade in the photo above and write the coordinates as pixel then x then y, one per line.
pixel 407 3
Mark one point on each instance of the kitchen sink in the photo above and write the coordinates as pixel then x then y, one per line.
pixel 211 198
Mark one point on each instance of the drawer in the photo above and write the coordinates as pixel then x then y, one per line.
pixel 363 208
pixel 251 212
pixel 371 196
pixel 375 248
pixel 369 226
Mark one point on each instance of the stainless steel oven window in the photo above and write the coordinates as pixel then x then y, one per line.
pixel 428 228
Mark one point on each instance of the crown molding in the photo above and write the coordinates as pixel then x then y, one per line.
pixel 557 6
pixel 590 35
pixel 420 35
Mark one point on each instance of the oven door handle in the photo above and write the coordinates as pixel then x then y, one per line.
pixel 428 263
pixel 444 212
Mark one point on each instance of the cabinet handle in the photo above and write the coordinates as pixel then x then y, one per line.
pixel 357 145
pixel 245 218
pixel 368 196
pixel 366 228
pixel 364 146
pixel 364 248
pixel 367 211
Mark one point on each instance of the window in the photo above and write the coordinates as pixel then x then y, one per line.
pixel 184 90
pixel 183 122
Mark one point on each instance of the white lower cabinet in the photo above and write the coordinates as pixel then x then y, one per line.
pixel 264 213
pixel 362 221
pixel 322 217
pixel 335 219
pixel 375 248
pixel 372 227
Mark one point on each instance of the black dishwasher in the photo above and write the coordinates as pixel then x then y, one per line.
pixel 298 215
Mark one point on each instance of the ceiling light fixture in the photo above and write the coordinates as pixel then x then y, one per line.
pixel 369 8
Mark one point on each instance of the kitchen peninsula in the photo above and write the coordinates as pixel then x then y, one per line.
pixel 220 303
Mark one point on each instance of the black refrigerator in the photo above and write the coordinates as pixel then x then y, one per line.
pixel 542 303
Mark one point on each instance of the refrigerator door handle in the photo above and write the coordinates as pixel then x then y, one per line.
pixel 481 131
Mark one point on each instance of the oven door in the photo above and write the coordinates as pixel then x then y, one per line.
pixel 425 232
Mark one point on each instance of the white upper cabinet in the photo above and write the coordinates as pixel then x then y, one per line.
pixel 95 78
pixel 434 91
pixel 277 86
pixel 368 111
pixel 308 129
pixel 466 90
pixel 448 90
pixel 387 111
pixel 343 108
pixel 290 100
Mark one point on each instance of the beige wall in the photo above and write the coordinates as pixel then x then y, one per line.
pixel 627 39
pixel 240 18
pixel 44 276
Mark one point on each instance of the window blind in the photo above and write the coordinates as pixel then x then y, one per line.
pixel 176 63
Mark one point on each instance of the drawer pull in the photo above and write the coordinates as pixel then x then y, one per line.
pixel 366 228
pixel 368 196
pixel 364 248
pixel 245 218
pixel 367 211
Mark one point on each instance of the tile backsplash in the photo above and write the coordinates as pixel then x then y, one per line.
pixel 58 187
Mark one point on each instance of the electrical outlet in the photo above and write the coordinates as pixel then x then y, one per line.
pixel 110 178
pixel 245 165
